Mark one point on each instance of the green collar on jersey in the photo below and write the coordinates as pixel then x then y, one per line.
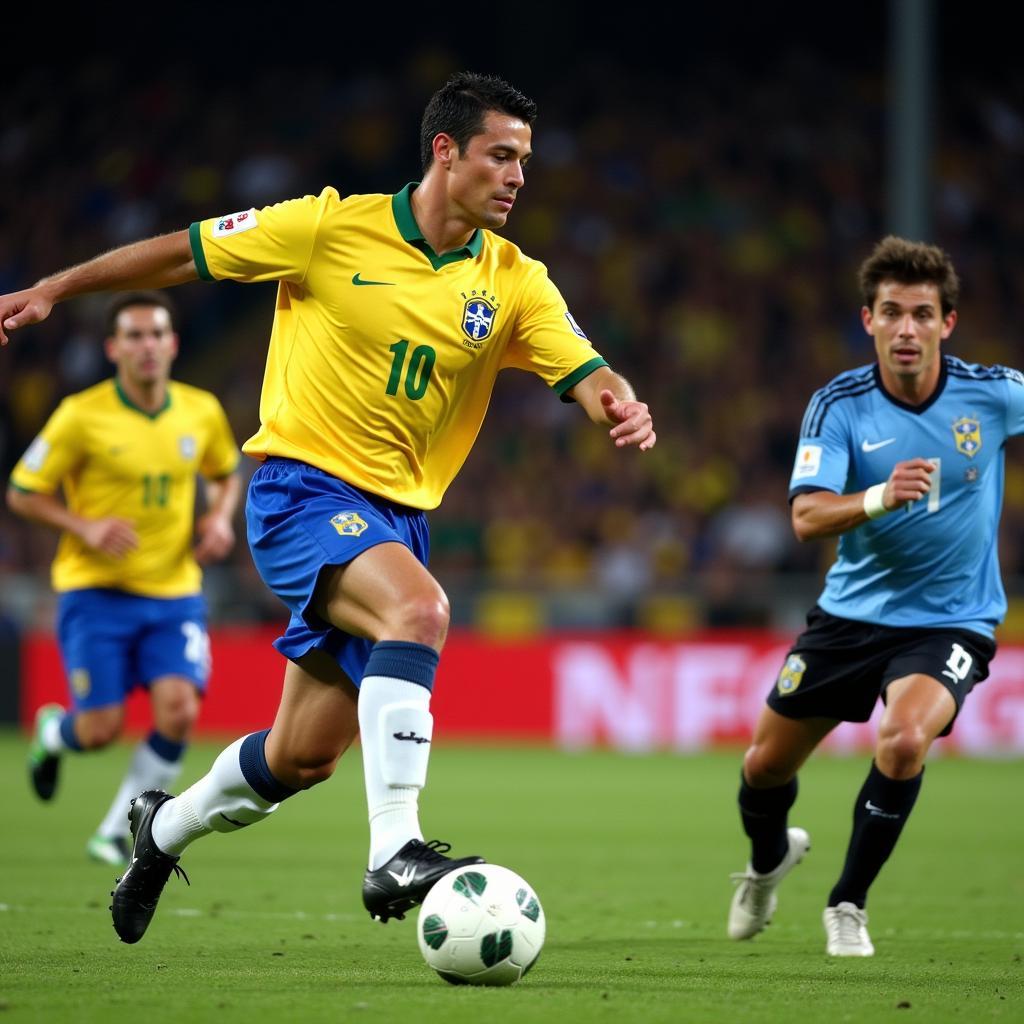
pixel 131 405
pixel 401 207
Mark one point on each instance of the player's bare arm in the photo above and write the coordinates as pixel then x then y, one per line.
pixel 608 398
pixel 159 262
pixel 819 514
pixel 215 534
pixel 110 535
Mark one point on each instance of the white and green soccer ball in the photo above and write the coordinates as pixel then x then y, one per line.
pixel 481 925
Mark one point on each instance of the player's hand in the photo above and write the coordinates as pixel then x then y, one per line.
pixel 908 481
pixel 216 538
pixel 110 536
pixel 634 425
pixel 22 308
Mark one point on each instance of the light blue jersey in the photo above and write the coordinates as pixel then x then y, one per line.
pixel 934 563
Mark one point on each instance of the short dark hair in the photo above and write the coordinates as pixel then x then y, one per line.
pixel 896 259
pixel 459 107
pixel 125 299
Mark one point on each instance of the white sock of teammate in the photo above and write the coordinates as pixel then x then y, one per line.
pixel 155 764
pixel 237 791
pixel 49 735
pixel 395 728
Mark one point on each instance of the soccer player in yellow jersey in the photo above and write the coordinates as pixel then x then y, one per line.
pixel 394 315
pixel 126 453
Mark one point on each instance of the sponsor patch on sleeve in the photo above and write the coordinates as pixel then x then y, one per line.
pixel 808 461
pixel 36 454
pixel 234 223
pixel 575 326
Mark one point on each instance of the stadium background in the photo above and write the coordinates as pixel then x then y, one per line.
pixel 704 187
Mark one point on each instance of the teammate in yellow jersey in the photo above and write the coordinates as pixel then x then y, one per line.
pixel 126 453
pixel 394 315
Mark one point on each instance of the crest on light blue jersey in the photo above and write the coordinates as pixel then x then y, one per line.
pixel 967 432
pixel 478 318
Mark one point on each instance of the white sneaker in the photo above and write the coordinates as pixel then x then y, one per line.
pixel 846 928
pixel 755 901
pixel 116 851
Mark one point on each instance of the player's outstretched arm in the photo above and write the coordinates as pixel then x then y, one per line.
pixel 818 514
pixel 609 399
pixel 109 535
pixel 159 262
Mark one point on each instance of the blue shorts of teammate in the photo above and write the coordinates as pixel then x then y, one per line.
pixel 301 520
pixel 112 641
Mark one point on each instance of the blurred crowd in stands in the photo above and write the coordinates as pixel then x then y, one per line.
pixel 704 225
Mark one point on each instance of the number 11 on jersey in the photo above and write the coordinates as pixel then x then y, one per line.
pixel 935 494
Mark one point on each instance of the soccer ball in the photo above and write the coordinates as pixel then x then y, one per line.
pixel 481 925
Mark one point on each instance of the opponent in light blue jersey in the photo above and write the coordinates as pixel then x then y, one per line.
pixel 903 461
pixel 935 562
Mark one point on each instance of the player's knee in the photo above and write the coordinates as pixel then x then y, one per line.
pixel 175 718
pixel 764 768
pixel 96 732
pixel 902 749
pixel 422 619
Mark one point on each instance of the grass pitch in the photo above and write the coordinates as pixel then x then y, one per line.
pixel 630 856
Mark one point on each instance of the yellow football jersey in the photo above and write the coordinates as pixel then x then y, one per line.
pixel 113 459
pixel 383 355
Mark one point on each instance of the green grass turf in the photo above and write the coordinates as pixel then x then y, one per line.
pixel 630 856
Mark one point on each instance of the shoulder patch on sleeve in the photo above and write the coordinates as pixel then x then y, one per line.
pixel 575 326
pixel 35 454
pixel 808 461
pixel 235 223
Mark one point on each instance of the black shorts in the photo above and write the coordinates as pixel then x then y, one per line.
pixel 838 668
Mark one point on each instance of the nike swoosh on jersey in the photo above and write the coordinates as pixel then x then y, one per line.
pixel 867 446
pixel 358 281
pixel 405 878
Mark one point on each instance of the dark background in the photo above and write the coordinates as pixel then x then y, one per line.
pixel 706 181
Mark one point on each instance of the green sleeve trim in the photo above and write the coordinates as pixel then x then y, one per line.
pixel 576 376
pixel 24 490
pixel 195 239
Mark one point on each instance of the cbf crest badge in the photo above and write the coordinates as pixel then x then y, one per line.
pixel 187 446
pixel 478 318
pixel 792 674
pixel 349 524
pixel 967 432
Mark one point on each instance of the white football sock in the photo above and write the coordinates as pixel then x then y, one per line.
pixel 395 727
pixel 147 770
pixel 221 801
pixel 51 738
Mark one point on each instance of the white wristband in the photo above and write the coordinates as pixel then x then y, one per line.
pixel 874 505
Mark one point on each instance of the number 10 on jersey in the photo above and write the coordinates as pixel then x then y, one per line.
pixel 417 373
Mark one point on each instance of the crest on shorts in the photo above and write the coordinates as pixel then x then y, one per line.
pixel 187 446
pixel 792 674
pixel 478 318
pixel 81 684
pixel 967 432
pixel 348 524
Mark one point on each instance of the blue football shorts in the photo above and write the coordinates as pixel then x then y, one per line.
pixel 112 641
pixel 300 520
